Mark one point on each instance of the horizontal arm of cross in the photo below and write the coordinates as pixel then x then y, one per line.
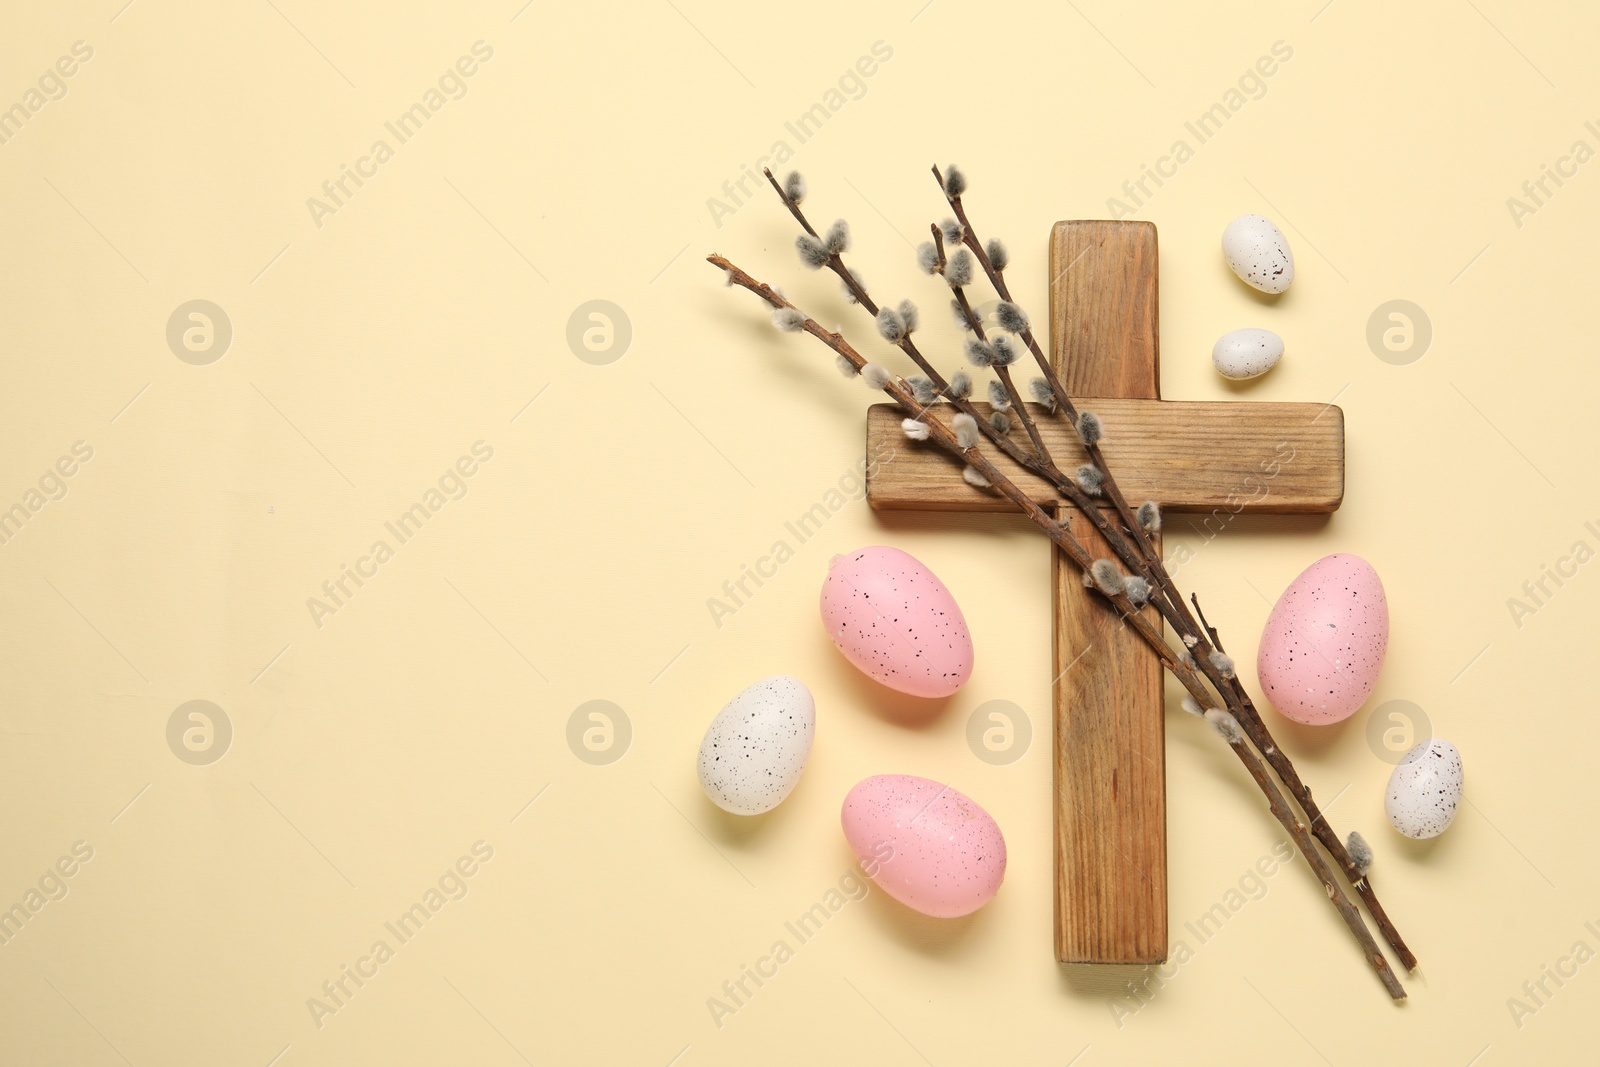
pixel 1188 456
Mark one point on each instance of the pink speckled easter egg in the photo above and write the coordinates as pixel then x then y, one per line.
pixel 1325 640
pixel 926 845
pixel 896 621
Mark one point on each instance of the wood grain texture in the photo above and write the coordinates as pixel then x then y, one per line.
pixel 1104 335
pixel 1110 767
pixel 1190 456
pixel 1110 777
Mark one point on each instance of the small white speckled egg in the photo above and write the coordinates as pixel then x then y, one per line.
pixel 1258 253
pixel 756 747
pixel 1247 353
pixel 1425 790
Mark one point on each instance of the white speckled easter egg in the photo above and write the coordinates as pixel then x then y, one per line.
pixel 1258 253
pixel 756 747
pixel 928 846
pixel 1425 790
pixel 1246 353
pixel 1325 640
pixel 896 621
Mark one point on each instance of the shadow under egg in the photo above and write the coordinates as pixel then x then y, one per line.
pixel 925 935
pixel 746 832
pixel 890 705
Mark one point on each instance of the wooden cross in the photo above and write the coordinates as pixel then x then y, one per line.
pixel 1216 459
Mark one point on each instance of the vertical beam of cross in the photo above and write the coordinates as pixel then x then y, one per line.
pixel 1109 755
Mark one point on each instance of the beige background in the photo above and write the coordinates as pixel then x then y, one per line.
pixel 370 753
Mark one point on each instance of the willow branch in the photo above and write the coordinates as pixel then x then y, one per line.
pixel 1176 612
pixel 1149 632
